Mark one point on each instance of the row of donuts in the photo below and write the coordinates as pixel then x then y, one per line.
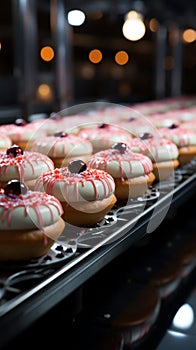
pixel 31 210
pixel 143 116
pixel 37 199
pixel 100 129
pixel 32 219
pixel 65 176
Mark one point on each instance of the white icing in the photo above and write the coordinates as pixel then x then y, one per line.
pixel 180 136
pixel 137 127
pixel 104 138
pixel 130 169
pixel 28 132
pixel 5 141
pixel 163 121
pixel 27 167
pixel 121 166
pixel 59 147
pixel 191 125
pixel 29 214
pixel 157 150
pixel 76 187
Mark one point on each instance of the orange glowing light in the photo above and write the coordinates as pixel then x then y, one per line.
pixel 121 58
pixel 47 53
pixel 189 35
pixel 154 25
pixel 95 56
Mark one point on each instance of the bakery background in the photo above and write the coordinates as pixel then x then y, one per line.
pixel 47 64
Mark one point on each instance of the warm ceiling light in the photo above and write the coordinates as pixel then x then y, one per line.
pixel 95 56
pixel 121 58
pixel 44 92
pixel 47 53
pixel 189 35
pixel 76 17
pixel 87 71
pixel 133 28
pixel 154 25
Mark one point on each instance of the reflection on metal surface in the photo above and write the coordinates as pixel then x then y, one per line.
pixel 177 334
pixel 184 318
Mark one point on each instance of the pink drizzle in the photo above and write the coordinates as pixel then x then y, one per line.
pixel 33 200
pixel 145 146
pixel 49 179
pixel 54 143
pixel 20 162
pixel 105 157
pixel 184 135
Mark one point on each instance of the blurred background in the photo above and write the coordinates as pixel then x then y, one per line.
pixel 57 53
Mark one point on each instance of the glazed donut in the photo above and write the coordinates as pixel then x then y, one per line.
pixel 5 141
pixel 56 123
pixel 30 222
pixel 137 126
pixel 22 165
pixel 163 120
pixel 185 140
pixel 107 115
pixel 103 136
pixel 132 172
pixel 182 115
pixel 22 133
pixel 86 195
pixel 63 147
pixel 48 125
pixel 163 153
pixel 190 124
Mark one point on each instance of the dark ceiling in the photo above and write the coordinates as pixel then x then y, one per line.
pixel 180 11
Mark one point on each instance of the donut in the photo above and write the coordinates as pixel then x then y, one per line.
pixel 137 126
pixel 63 147
pixel 30 222
pixel 132 172
pixel 183 115
pixel 86 195
pixel 151 107
pixel 22 133
pixel 48 125
pixel 108 115
pixel 22 165
pixel 163 153
pixel 129 320
pixel 72 123
pixel 137 319
pixel 103 136
pixel 5 141
pixel 190 124
pixel 163 120
pixel 56 123
pixel 185 140
pixel 163 105
pixel 167 279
